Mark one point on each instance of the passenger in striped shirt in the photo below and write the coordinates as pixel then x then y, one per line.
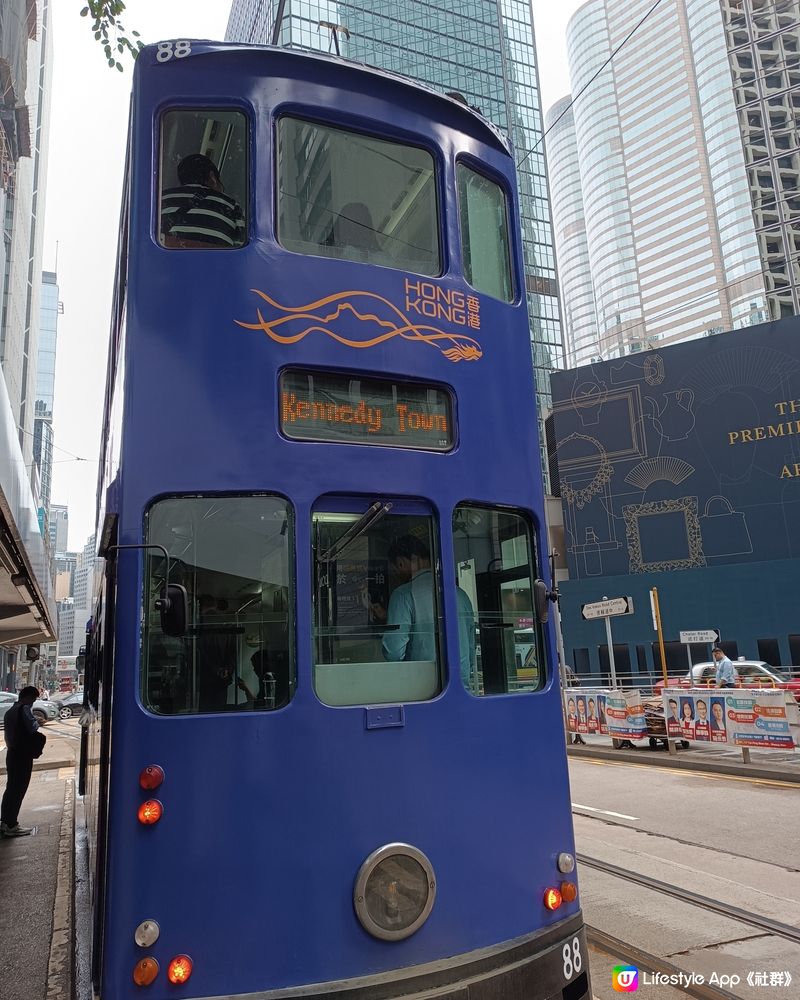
pixel 198 213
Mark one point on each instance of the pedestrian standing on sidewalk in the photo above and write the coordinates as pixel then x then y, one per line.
pixel 24 743
pixel 726 672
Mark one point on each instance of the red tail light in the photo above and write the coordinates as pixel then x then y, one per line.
pixel 179 969
pixel 552 898
pixel 151 777
pixel 150 812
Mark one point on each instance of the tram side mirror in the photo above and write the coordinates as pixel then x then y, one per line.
pixel 541 600
pixel 173 605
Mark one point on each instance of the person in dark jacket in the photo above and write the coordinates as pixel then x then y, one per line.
pixel 24 743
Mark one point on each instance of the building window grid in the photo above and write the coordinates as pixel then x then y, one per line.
pixel 757 96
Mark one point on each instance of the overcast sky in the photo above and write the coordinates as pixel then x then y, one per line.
pixel 86 154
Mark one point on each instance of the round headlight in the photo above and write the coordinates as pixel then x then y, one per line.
pixel 394 892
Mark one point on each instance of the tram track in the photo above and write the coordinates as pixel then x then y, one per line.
pixel 766 924
pixel 615 947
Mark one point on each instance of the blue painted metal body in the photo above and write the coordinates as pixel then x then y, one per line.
pixel 268 817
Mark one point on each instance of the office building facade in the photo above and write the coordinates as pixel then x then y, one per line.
pixel 484 51
pixel 45 392
pixel 763 41
pixel 578 313
pixel 25 74
pixel 59 528
pixel 670 236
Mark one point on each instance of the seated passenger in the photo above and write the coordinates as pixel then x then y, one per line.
pixel 198 213
pixel 353 229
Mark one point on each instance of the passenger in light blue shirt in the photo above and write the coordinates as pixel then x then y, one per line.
pixel 411 613
pixel 726 672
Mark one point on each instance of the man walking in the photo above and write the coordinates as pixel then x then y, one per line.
pixel 726 673
pixel 24 742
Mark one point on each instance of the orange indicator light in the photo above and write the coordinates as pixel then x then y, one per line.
pixel 179 969
pixel 150 812
pixel 145 971
pixel 569 892
pixel 552 899
pixel 151 777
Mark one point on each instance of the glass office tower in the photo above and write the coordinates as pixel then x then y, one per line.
pixel 484 49
pixel 763 38
pixel 686 154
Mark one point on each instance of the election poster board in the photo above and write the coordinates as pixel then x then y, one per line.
pixel 605 712
pixel 625 714
pixel 739 717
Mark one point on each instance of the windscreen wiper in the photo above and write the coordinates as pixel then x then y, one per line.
pixel 356 530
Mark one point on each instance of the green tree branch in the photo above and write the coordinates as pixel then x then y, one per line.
pixel 110 31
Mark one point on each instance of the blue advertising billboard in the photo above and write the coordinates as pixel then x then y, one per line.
pixel 682 460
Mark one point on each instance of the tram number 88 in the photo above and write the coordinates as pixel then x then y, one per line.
pixel 573 960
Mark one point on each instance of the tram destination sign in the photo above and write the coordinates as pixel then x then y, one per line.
pixel 609 607
pixel 353 409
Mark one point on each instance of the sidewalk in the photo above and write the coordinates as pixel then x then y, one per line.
pixel 36 893
pixel 36 877
pixel 774 765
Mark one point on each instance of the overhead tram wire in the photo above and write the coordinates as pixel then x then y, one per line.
pixel 589 82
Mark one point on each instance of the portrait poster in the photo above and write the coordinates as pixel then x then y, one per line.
pixel 740 717
pixel 603 712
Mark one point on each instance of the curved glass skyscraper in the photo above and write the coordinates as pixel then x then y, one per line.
pixel 658 153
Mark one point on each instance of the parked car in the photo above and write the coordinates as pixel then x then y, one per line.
pixel 750 673
pixel 69 705
pixel 43 711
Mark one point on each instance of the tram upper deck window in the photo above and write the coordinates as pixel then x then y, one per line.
pixel 504 652
pixel 354 197
pixel 377 620
pixel 232 554
pixel 484 234
pixel 203 180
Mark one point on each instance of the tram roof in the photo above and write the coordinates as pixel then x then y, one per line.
pixel 210 46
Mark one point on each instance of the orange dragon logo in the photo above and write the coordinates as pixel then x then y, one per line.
pixel 355 319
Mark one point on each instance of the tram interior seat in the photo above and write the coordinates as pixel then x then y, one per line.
pixel 378 683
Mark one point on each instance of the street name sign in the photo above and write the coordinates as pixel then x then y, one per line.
pixel 608 608
pixel 700 635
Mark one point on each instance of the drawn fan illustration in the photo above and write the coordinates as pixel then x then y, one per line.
pixel 664 468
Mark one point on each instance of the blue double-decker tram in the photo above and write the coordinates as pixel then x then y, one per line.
pixel 326 753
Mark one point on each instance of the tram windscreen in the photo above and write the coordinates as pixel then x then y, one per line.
pixel 232 555
pixel 326 406
pixel 377 609
pixel 495 568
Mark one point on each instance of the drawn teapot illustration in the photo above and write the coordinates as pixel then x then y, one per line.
pixel 674 419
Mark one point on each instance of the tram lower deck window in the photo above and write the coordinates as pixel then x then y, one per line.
pixel 232 554
pixel 502 652
pixel 377 620
pixel 355 197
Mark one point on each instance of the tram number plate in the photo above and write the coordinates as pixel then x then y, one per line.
pixel 572 958
pixel 355 409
